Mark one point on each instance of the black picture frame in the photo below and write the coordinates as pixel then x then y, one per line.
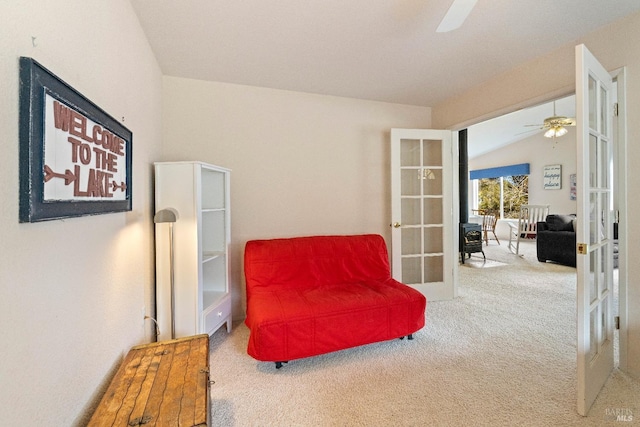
pixel 75 159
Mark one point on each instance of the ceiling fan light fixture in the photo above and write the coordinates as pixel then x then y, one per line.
pixel 555 132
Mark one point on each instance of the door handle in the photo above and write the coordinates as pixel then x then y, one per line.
pixel 395 225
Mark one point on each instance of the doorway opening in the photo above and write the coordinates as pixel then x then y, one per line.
pixel 554 150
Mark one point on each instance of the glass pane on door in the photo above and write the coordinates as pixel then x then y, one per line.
pixel 593 277
pixel 411 270
pixel 593 218
pixel 411 182
pixel 432 153
pixel 411 213
pixel 433 269
pixel 410 152
pixel 411 241
pixel 603 167
pixel 593 160
pixel 432 210
pixel 433 240
pixel 603 111
pixel 593 104
pixel 432 182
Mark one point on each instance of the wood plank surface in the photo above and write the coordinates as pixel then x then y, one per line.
pixel 201 389
pixel 159 384
pixel 140 403
pixel 170 407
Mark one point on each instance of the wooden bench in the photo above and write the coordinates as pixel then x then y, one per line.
pixel 159 384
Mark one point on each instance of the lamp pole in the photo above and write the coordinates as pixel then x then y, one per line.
pixel 170 216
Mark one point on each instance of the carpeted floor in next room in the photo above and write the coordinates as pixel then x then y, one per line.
pixel 501 354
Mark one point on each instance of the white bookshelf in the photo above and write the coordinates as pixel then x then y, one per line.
pixel 199 192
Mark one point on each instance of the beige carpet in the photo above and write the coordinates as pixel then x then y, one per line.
pixel 502 354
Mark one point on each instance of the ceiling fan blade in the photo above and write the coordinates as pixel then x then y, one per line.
pixel 530 131
pixel 456 15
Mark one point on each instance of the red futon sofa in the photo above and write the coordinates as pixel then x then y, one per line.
pixel 313 295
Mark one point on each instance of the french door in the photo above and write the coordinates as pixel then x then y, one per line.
pixel 422 217
pixel 595 227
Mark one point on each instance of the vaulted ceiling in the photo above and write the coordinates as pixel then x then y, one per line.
pixel 377 50
pixel 513 127
pixel 385 51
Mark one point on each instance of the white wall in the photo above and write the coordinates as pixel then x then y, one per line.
pixel 548 77
pixel 301 164
pixel 539 152
pixel 72 291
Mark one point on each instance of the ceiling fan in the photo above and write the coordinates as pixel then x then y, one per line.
pixel 456 15
pixel 555 125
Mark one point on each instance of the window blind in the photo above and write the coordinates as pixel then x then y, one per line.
pixel 520 169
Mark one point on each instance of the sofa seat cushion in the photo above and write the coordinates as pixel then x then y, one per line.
pixel 307 321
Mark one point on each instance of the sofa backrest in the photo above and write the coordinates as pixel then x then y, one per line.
pixel 557 222
pixel 315 261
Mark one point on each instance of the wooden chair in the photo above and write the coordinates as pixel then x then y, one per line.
pixel 527 224
pixel 489 222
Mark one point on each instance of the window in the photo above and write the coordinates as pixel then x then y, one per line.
pixel 489 195
pixel 501 190
pixel 514 194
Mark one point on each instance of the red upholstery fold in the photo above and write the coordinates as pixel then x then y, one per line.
pixel 312 295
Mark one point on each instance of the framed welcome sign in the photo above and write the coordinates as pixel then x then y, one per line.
pixel 75 159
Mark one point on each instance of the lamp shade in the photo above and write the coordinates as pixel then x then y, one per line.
pixel 166 215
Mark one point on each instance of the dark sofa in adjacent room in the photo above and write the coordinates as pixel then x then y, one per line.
pixel 556 240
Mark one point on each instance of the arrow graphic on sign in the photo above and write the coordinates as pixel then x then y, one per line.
pixel 49 174
pixel 122 186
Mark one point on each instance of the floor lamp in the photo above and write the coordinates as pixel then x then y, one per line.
pixel 170 216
